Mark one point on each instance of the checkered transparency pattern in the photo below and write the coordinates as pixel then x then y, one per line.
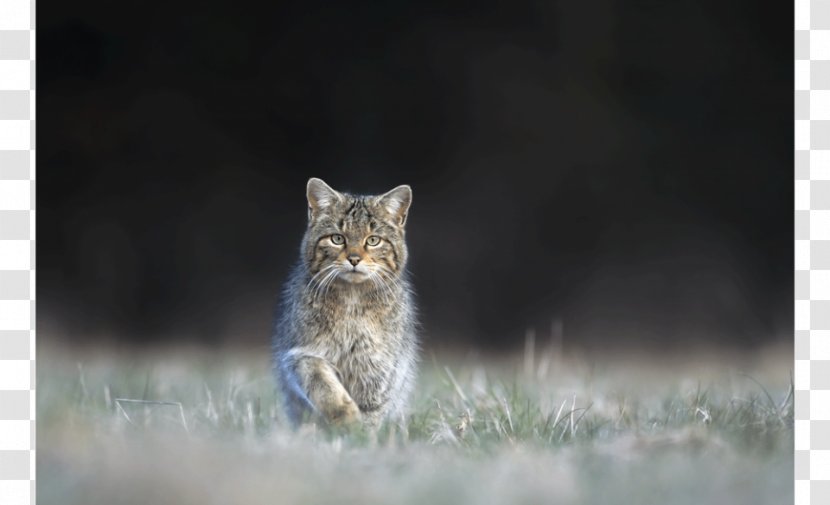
pixel 17 252
pixel 812 251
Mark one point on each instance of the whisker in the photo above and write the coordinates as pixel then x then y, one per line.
pixel 386 284
pixel 320 290
pixel 318 277
pixel 381 286
pixel 327 283
pixel 374 278
pixel 327 271
pixel 389 277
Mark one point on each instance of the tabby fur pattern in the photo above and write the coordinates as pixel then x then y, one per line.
pixel 344 342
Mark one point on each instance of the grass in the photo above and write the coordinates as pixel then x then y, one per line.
pixel 201 428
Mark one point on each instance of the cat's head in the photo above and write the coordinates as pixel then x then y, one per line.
pixel 355 238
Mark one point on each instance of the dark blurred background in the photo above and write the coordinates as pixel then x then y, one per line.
pixel 620 171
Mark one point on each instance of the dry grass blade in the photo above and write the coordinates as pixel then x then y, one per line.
pixel 455 385
pixel 507 412
pixel 119 401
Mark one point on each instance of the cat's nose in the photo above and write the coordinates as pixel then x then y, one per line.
pixel 354 259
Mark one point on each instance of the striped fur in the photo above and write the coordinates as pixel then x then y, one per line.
pixel 344 342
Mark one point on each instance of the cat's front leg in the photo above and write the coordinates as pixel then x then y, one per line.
pixel 321 384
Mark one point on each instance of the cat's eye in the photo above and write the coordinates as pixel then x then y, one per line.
pixel 373 240
pixel 337 239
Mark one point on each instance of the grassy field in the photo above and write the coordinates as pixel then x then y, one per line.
pixel 190 427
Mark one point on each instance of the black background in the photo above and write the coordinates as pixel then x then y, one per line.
pixel 623 168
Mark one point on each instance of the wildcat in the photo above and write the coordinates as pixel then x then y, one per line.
pixel 344 342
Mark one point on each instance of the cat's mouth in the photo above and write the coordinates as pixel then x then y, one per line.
pixel 354 275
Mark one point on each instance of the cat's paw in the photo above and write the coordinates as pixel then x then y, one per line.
pixel 343 412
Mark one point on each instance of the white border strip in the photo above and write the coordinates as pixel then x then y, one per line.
pixel 812 251
pixel 17 179
pixel 17 252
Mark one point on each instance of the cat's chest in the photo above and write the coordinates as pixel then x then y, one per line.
pixel 354 323
pixel 358 343
pixel 351 323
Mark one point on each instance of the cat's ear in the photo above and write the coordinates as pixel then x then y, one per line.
pixel 320 196
pixel 397 202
